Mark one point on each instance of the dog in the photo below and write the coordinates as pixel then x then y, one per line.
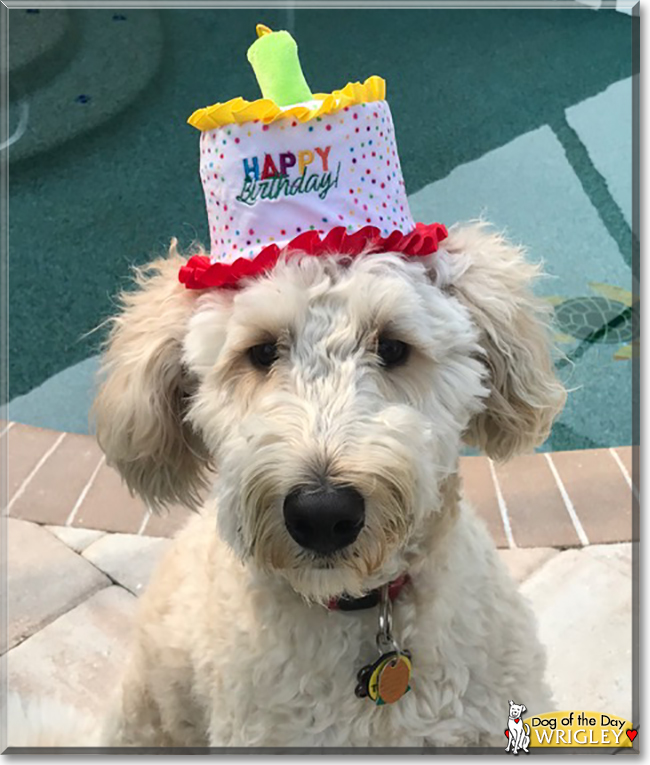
pixel 314 419
pixel 519 732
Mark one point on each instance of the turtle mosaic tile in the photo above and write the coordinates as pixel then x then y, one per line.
pixel 563 499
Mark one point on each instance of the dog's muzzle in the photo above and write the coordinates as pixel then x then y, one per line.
pixel 324 519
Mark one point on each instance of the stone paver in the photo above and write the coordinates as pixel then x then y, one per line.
pixel 45 580
pixel 75 539
pixel 583 603
pixel 619 556
pixel 80 636
pixel 77 659
pixel 128 559
pixel 523 561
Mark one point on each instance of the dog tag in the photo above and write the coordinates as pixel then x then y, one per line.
pixel 386 680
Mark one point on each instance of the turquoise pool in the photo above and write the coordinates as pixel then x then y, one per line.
pixel 521 116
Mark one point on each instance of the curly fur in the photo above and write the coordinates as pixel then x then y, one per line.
pixel 234 646
pixel 139 411
pixel 493 279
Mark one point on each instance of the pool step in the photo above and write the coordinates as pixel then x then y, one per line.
pixel 42 42
pixel 73 71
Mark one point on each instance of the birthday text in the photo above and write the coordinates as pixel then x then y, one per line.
pixel 269 178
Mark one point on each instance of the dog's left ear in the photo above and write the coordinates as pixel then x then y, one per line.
pixel 524 708
pixel 494 281
pixel 141 405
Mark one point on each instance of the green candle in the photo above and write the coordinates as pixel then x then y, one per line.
pixel 274 58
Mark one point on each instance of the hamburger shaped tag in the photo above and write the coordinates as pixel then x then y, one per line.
pixel 387 680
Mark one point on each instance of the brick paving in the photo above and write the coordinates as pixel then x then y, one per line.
pixel 565 499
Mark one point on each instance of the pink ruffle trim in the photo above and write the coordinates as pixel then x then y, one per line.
pixel 200 274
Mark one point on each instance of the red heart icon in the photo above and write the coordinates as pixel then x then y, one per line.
pixel 632 734
pixel 517 720
pixel 507 732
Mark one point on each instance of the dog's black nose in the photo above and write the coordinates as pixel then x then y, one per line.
pixel 324 519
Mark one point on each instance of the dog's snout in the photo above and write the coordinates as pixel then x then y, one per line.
pixel 325 519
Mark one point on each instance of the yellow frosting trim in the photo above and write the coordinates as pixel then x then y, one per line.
pixel 238 110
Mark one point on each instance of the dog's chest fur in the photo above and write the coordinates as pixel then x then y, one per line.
pixel 272 670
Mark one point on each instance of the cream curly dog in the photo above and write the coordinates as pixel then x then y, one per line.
pixel 325 406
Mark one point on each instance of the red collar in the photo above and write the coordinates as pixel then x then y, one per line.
pixel 370 599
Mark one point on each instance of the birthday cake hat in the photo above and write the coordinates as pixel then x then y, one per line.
pixel 296 171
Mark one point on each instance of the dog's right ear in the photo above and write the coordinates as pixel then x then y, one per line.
pixel 493 280
pixel 140 408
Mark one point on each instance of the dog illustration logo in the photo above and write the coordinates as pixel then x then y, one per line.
pixel 518 732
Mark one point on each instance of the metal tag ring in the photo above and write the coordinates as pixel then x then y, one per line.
pixel 385 640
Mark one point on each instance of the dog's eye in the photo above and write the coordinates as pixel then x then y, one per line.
pixel 392 352
pixel 262 356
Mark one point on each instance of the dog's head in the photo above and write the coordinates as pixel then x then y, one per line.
pixel 516 711
pixel 331 398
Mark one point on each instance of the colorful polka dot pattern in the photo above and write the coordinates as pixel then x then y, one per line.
pixel 266 184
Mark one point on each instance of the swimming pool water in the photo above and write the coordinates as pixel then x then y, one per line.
pixel 521 116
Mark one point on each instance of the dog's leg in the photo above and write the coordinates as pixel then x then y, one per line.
pixel 518 741
pixel 148 715
pixel 134 719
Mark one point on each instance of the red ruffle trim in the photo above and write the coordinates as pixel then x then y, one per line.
pixel 200 274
